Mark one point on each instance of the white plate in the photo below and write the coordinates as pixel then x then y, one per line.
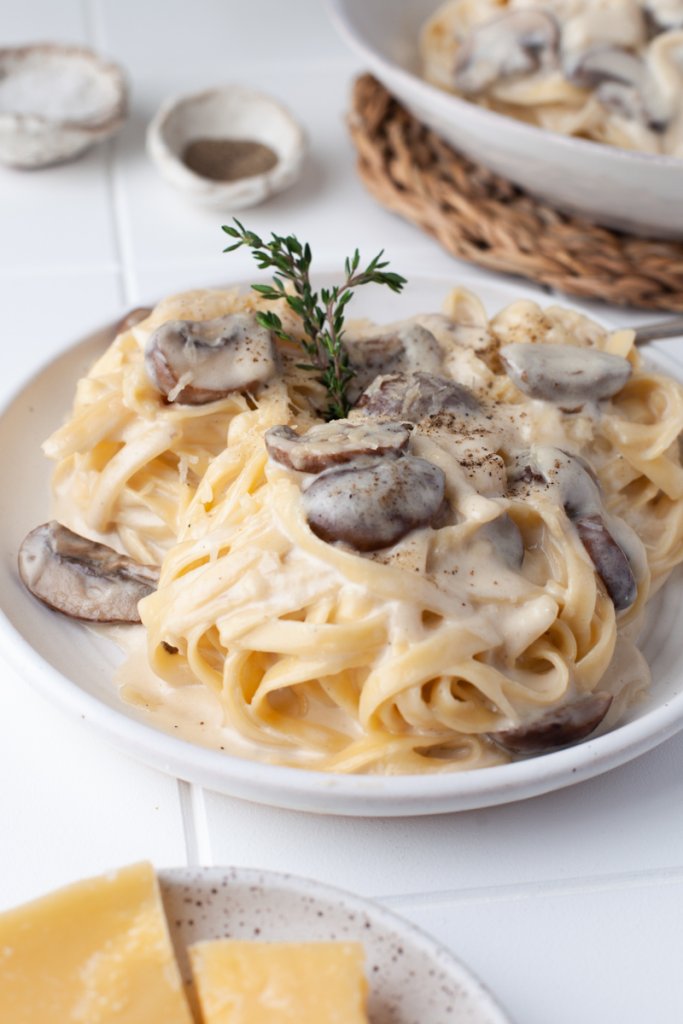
pixel 73 668
pixel 413 980
pixel 638 192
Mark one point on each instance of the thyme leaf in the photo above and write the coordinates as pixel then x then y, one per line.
pixel 322 315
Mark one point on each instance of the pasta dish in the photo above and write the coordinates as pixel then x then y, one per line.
pixel 608 70
pixel 452 576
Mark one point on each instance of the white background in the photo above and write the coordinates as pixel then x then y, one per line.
pixel 568 906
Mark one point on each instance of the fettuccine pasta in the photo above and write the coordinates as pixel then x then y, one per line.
pixel 608 70
pixel 517 595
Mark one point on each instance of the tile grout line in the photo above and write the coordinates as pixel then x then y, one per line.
pixel 190 800
pixel 538 889
pixel 96 36
pixel 187 817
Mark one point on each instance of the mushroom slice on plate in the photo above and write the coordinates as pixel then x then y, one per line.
pixel 414 396
pixel 580 497
pixel 506 539
pixel 564 373
pixel 195 362
pixel 82 578
pixel 664 14
pixel 371 503
pixel 622 83
pixel 406 348
pixel 609 559
pixel 560 727
pixel 518 43
pixel 331 443
pixel 127 322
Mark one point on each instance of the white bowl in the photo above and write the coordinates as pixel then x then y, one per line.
pixel 55 102
pixel 638 192
pixel 228 112
pixel 413 979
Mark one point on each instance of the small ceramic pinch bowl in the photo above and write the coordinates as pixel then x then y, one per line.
pixel 55 102
pixel 223 115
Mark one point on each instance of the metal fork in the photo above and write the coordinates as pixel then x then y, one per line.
pixel 664 329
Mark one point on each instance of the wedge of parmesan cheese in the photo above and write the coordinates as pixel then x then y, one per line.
pixel 97 952
pixel 279 983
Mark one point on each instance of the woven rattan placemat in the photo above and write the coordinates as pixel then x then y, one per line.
pixel 480 217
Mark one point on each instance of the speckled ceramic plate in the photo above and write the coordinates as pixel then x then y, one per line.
pixel 413 979
pixel 74 668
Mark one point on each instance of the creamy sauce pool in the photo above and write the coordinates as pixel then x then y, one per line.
pixel 193 712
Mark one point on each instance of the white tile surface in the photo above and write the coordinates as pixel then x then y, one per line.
pixel 568 905
pixel 51 310
pixel 620 822
pixel 70 806
pixel 600 955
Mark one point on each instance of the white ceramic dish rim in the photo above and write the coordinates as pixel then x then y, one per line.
pixel 310 790
pixel 170 878
pixel 450 104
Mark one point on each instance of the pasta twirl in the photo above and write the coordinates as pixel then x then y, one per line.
pixel 609 70
pixel 412 657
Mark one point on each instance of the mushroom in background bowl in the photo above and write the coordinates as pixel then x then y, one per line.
pixel 621 188
pixel 55 102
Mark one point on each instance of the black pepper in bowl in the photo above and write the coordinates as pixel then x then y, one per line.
pixel 228 159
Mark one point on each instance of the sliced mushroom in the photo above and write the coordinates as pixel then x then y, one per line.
pixel 407 348
pixel 373 503
pixel 412 397
pixel 506 539
pixel 136 316
pixel 82 578
pixel 664 14
pixel 610 561
pixel 622 83
pixel 331 443
pixel 558 728
pixel 195 362
pixel 580 497
pixel 564 373
pixel 510 45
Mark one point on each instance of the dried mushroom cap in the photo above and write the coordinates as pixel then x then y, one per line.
pixel 564 373
pixel 407 348
pixel 82 578
pixel 580 497
pixel 560 727
pixel 331 443
pixel 372 503
pixel 412 397
pixel 622 83
pixel 510 45
pixel 195 362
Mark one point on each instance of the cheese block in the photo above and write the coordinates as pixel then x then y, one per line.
pixel 279 982
pixel 97 952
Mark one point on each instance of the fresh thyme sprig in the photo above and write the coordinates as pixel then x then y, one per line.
pixel 322 316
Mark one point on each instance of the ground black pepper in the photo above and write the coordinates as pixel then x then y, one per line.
pixel 228 159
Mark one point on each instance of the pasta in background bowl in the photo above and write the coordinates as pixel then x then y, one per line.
pixel 220 533
pixel 598 69
pixel 623 188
